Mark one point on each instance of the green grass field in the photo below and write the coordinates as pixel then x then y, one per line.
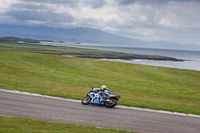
pixel 160 88
pixel 23 125
pixel 36 48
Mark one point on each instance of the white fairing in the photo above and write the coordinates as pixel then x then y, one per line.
pixel 95 89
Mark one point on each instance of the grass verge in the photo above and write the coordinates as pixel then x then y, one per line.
pixel 160 88
pixel 23 125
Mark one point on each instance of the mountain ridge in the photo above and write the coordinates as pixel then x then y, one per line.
pixel 86 35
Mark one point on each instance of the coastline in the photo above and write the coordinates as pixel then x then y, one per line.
pixel 93 55
pixel 124 56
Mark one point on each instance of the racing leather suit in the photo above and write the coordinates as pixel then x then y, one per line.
pixel 106 93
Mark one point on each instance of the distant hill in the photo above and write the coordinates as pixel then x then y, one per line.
pixel 17 39
pixel 86 35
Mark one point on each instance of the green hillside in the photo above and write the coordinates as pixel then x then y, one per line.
pixel 16 39
pixel 71 77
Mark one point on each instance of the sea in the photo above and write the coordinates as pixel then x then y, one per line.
pixel 192 58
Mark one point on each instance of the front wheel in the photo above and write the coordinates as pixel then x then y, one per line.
pixel 112 103
pixel 86 101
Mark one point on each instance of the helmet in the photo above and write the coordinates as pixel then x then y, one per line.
pixel 103 86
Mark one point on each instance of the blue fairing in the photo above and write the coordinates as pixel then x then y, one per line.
pixel 94 97
pixel 96 101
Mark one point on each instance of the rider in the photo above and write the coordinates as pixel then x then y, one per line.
pixel 106 91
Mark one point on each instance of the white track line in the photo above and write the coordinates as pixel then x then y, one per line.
pixel 38 95
pixel 118 106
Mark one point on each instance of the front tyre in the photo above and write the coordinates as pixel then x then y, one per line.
pixel 86 101
pixel 112 103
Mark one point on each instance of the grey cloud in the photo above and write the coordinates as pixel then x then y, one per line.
pixel 71 3
pixel 28 6
pixel 37 12
pixel 51 1
pixel 40 16
pixel 127 2
pixel 136 18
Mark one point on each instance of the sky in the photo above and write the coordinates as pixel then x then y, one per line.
pixel 150 20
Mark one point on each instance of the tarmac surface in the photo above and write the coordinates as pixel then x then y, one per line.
pixel 69 111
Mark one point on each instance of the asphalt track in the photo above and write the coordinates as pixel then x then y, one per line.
pixel 69 111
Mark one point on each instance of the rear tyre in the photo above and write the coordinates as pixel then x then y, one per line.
pixel 86 101
pixel 112 103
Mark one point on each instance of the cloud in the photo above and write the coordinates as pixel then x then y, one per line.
pixel 5 5
pixel 143 19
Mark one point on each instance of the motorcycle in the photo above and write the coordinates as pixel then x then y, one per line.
pixel 95 96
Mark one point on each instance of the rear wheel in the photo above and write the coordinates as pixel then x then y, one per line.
pixel 86 101
pixel 112 103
